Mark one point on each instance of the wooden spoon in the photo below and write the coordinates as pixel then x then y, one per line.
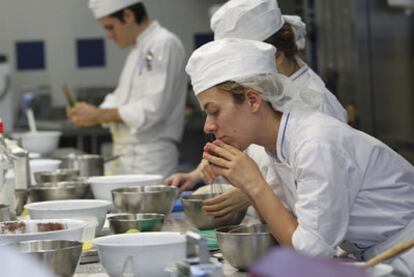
pixel 390 253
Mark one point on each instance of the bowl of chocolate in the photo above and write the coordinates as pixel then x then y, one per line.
pixel 43 229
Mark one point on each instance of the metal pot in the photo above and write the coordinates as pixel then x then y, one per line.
pixel 88 165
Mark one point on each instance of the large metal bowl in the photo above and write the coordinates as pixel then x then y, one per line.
pixel 59 175
pixel 193 210
pixel 21 196
pixel 121 223
pixel 60 256
pixel 145 199
pixel 241 245
pixel 60 191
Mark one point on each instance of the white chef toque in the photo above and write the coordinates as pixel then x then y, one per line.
pixel 299 28
pixel 102 8
pixel 246 62
pixel 249 19
pixel 227 60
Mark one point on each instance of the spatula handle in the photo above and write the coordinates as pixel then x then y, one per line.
pixel 390 253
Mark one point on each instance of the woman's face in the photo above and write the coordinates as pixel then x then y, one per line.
pixel 227 120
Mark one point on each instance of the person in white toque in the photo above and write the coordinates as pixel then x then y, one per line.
pixel 262 20
pixel 347 185
pixel 146 111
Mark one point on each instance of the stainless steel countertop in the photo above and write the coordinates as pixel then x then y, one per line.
pixel 175 222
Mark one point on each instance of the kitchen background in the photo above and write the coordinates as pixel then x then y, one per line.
pixel 363 49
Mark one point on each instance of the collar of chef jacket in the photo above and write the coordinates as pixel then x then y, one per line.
pixel 154 25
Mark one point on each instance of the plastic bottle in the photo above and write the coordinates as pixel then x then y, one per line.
pixel 7 195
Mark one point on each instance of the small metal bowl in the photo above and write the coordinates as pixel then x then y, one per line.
pixel 60 191
pixel 60 175
pixel 241 245
pixel 157 199
pixel 60 256
pixel 121 223
pixel 193 210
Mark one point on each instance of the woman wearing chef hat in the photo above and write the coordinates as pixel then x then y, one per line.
pixel 146 110
pixel 262 20
pixel 347 185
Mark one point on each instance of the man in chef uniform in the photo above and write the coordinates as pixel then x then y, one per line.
pixel 146 111
pixel 347 185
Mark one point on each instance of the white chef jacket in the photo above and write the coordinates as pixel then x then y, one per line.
pixel 306 90
pixel 347 185
pixel 150 98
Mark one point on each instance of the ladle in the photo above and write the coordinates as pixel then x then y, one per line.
pixel 31 120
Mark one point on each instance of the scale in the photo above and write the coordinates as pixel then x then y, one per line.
pixel 89 256
pixel 198 262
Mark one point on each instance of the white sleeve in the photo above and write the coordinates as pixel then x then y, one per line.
pixel 158 98
pixel 322 175
pixel 108 102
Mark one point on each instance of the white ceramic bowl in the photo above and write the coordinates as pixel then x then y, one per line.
pixel 43 142
pixel 102 186
pixel 39 165
pixel 73 231
pixel 86 209
pixel 151 253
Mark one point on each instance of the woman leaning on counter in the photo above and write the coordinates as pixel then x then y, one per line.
pixel 347 185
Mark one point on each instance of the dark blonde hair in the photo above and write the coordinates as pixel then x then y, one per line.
pixel 236 91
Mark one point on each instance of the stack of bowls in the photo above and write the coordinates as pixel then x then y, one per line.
pixel 102 186
pixel 144 254
pixel 122 223
pixel 60 191
pixel 145 199
pixel 55 176
pixel 193 210
pixel 37 165
pixel 241 245
pixel 60 256
pixel 90 210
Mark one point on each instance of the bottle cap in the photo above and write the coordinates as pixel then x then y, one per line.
pixel 1 126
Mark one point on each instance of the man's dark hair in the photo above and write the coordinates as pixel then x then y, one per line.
pixel 138 9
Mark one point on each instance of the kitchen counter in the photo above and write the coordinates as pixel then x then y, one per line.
pixel 175 222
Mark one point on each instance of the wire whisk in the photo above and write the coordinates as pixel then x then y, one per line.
pixel 215 188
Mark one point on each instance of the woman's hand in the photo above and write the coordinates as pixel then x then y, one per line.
pixel 227 204
pixel 183 181
pixel 205 171
pixel 238 168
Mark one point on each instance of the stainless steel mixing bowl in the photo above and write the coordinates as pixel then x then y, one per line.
pixel 193 210
pixel 121 223
pixel 241 245
pixel 60 191
pixel 60 175
pixel 61 256
pixel 157 199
